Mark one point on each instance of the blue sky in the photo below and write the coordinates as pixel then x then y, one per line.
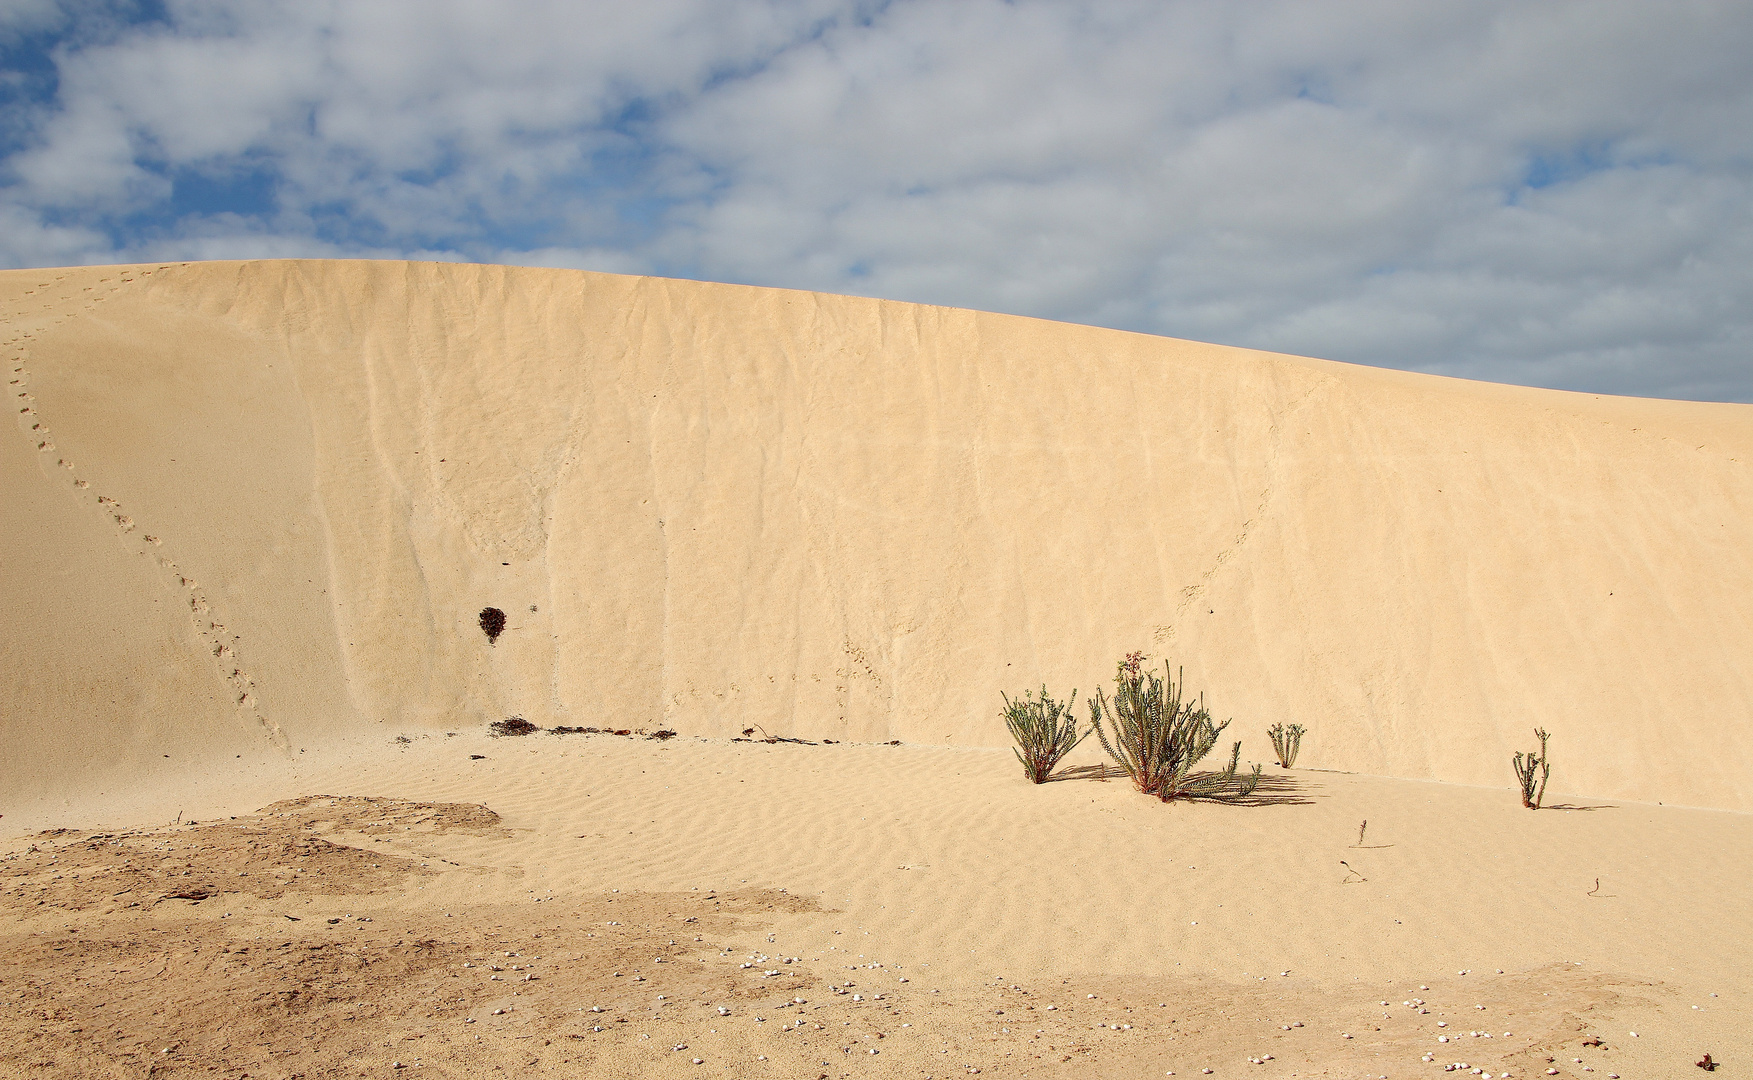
pixel 1555 194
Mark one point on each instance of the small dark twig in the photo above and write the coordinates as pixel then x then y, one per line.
pixel 1351 872
pixel 511 725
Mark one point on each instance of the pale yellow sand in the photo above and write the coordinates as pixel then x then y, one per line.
pixel 835 517
pixel 253 509
pixel 1206 927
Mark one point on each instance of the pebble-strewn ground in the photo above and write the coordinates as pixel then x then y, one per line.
pixel 373 936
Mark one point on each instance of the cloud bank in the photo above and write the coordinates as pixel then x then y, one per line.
pixel 1558 194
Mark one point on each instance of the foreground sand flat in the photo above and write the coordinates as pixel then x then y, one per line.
pixel 969 900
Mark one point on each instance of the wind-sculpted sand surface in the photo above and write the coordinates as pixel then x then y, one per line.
pixel 253 506
pixel 282 543
pixel 593 905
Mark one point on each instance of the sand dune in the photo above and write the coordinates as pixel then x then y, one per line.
pixel 251 505
pixel 255 824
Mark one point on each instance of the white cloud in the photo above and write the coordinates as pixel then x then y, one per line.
pixel 1553 192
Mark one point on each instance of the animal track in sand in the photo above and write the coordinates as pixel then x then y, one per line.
pixel 219 644
pixel 1190 594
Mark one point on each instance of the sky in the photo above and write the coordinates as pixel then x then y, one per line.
pixel 1555 194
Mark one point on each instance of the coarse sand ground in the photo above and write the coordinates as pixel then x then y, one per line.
pixel 594 905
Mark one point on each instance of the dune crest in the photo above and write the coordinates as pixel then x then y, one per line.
pixel 255 504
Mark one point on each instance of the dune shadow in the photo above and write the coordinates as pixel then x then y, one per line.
pixel 1273 789
pixel 1086 772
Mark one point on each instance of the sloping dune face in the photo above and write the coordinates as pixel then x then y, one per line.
pixel 250 505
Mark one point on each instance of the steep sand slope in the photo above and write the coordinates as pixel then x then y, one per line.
pixel 707 506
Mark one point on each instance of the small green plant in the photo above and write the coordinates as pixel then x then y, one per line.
pixel 1286 741
pixel 1525 764
pixel 1158 736
pixel 1044 730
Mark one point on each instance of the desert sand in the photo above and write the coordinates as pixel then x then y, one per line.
pixel 255 822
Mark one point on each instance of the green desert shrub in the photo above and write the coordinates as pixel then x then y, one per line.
pixel 1158 736
pixel 1525 764
pixel 1286 741
pixel 1045 731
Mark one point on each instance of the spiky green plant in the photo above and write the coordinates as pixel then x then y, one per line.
pixel 1045 731
pixel 1286 741
pixel 1525 764
pixel 1158 736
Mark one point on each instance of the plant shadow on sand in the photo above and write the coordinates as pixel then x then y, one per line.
pixel 1273 789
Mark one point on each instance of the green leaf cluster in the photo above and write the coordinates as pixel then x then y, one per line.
pixel 1045 731
pixel 1525 764
pixel 1158 737
pixel 1286 741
